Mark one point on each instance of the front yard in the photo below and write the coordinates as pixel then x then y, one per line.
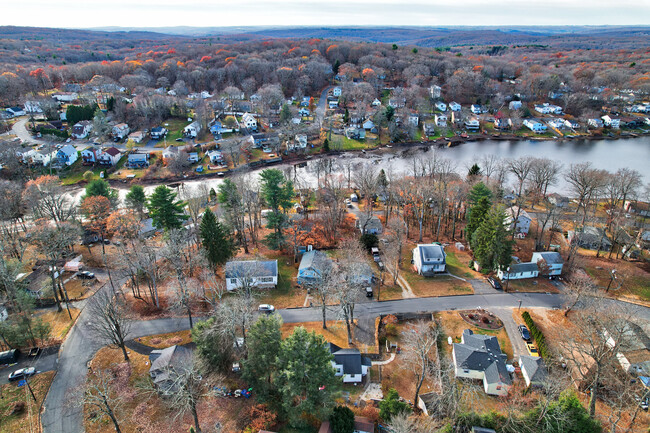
pixel 19 412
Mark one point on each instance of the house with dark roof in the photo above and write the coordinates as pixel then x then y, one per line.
pixel 633 347
pixel 312 267
pixel 553 261
pixel 479 357
pixel 165 365
pixel 519 271
pixel 109 157
pixel 251 273
pixel 591 238
pixel 361 425
pixel 158 132
pixel 81 129
pixel 349 364
pixel 533 370
pixel 370 225
pixel 429 259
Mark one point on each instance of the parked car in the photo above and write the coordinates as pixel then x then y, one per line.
pixel 85 275
pixel 525 334
pixel 494 283
pixel 179 139
pixel 642 402
pixel 22 373
pixel 107 241
pixel 266 308
pixel 369 292
pixel 532 349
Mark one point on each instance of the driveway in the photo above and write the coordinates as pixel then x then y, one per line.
pixel 45 361
pixel 482 287
pixel 518 345
pixel 19 129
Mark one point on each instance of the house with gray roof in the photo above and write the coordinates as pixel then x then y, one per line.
pixel 591 238
pixel 312 267
pixel 165 366
pixel 429 259
pixel 519 271
pixel 349 364
pixel 552 259
pixel 370 225
pixel 479 357
pixel 251 273
pixel 533 370
pixel 523 220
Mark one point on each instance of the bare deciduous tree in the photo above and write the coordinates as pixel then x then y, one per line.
pixel 110 322
pixel 99 394
pixel 418 340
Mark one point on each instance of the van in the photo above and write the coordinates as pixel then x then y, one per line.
pixel 9 356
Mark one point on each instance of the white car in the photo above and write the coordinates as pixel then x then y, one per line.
pixel 266 308
pixel 22 373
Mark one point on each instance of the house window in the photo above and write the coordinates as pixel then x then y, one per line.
pixel 266 279
pixel 233 280
pixel 466 371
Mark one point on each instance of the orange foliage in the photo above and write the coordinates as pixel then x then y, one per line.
pixel 313 41
pixel 133 63
pixel 180 64
pixel 9 74
pixel 123 224
pixel 261 418
pixel 477 68
pixel 206 58
pixel 285 68
pixel 171 51
pixel 331 47
pixel 38 73
pixel 367 71
pixel 230 59
pixel 315 51
pixel 292 50
pixel 97 209
pixel 222 50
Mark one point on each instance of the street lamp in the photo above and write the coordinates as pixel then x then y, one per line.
pixel 507 279
pixel 611 279
pixel 518 309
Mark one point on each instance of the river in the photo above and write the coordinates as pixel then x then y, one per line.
pixel 610 155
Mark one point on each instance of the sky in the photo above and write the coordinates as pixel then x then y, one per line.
pixel 221 13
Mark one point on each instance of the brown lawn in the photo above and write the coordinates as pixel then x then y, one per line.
pixel 28 419
pixel 531 285
pixel 634 280
pixel 162 341
pixel 60 323
pixel 336 333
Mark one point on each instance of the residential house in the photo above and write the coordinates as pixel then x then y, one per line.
pixel 428 128
pixel 138 159
pixel 304 112
pixel 376 103
pixel 476 109
pixel 249 121
pixel 369 125
pixel 441 120
pixel 553 262
pixel 33 107
pixel 158 132
pixel 502 123
pixel 472 124
pixel 413 119
pixel 397 102
pixel 558 200
pixel 633 347
pixel 336 91
pixel 533 370
pixel 523 221
pixel 547 108
pixel 193 157
pixel 166 364
pixel 457 118
pixel 535 126
pixel 120 131
pixel 595 123
pixel 312 267
pixel 361 425
pixel 215 156
pixel 441 106
pixel 569 123
pixel 169 153
pixel 363 276
pixel 137 136
pixel 370 225
pixel 81 129
pixel 192 130
pixel 332 104
pixel 514 105
pixel 251 273
pixel 591 238
pixel 429 259
pixel 301 141
pixel 556 123
pixel 65 96
pixel 67 155
pixel 354 133
pixel 479 357
pixel 305 101
pixel 109 157
pixel 519 271
pixel 349 364
pixel 454 106
pixel 89 155
pixel 435 91
pixel 43 157
pixel 611 122
pixel 263 140
pixel 637 208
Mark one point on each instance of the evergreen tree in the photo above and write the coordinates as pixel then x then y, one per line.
pixel 305 380
pixel 346 116
pixel 336 66
pixel 277 193
pixel 213 346
pixel 391 405
pixel 165 212
pixel 479 190
pixel 285 114
pixel 326 145
pixel 382 180
pixel 342 420
pixel 136 199
pixel 474 171
pixel 99 187
pixel 216 240
pixel 475 217
pixel 491 242
pixel 263 343
pixel 390 113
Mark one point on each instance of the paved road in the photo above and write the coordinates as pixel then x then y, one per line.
pixel 19 129
pixel 518 346
pixel 46 361
pixel 321 108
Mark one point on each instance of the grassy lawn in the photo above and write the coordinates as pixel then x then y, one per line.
pixel 74 174
pixel 532 285
pixel 347 143
pixel 28 419
pixel 285 295
pixel 60 322
pixel 457 264
pixel 162 341
pixel 634 281
pixel 175 128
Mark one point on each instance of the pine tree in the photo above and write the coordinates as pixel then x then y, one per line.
pixel 99 187
pixel 277 193
pixel 263 344
pixel 216 240
pixel 326 145
pixel 285 114
pixel 479 190
pixel 491 242
pixel 476 216
pixel 336 67
pixel 136 198
pixel 165 212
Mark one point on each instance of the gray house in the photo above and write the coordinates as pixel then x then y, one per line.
pixel 591 238
pixel 251 273
pixel 349 364
pixel 312 266
pixel 370 225
pixel 533 370
pixel 165 365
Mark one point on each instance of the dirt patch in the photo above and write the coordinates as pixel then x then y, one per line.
pixel 531 285
pixel 482 319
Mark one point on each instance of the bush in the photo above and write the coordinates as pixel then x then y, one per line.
pixel 342 420
pixel 536 334
pixel 391 405
pixel 368 241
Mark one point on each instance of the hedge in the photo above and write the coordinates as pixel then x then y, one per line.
pixel 537 335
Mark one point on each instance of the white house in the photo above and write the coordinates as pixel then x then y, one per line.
pixel 547 108
pixel 336 91
pixel 612 122
pixel 349 364
pixel 476 109
pixel 138 159
pixel 120 131
pixel 595 123
pixel 553 260
pixel 65 96
pixel 472 124
pixel 533 370
pixel 193 157
pixel 397 102
pixel 633 347
pixel 414 119
pixel 519 271
pixel 81 129
pixel 137 136
pixel 169 152
pixel 249 121
pixel 523 220
pixel 67 154
pixel 192 130
pixel 109 157
pixel 158 132
pixel 535 126
pixel 434 91
pixel 514 105
pixel 215 156
pixel 441 120
pixel 376 103
pixel 301 141
pixel 429 259
pixel 571 124
pixel 33 107
pixel 479 357
pixel 441 106
pixel 454 106
pixel 251 273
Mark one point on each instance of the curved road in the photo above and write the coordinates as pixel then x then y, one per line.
pixel 61 417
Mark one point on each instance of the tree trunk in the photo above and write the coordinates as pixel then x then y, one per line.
pixel 324 309
pixel 126 355
pixel 195 415
pixel 594 391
